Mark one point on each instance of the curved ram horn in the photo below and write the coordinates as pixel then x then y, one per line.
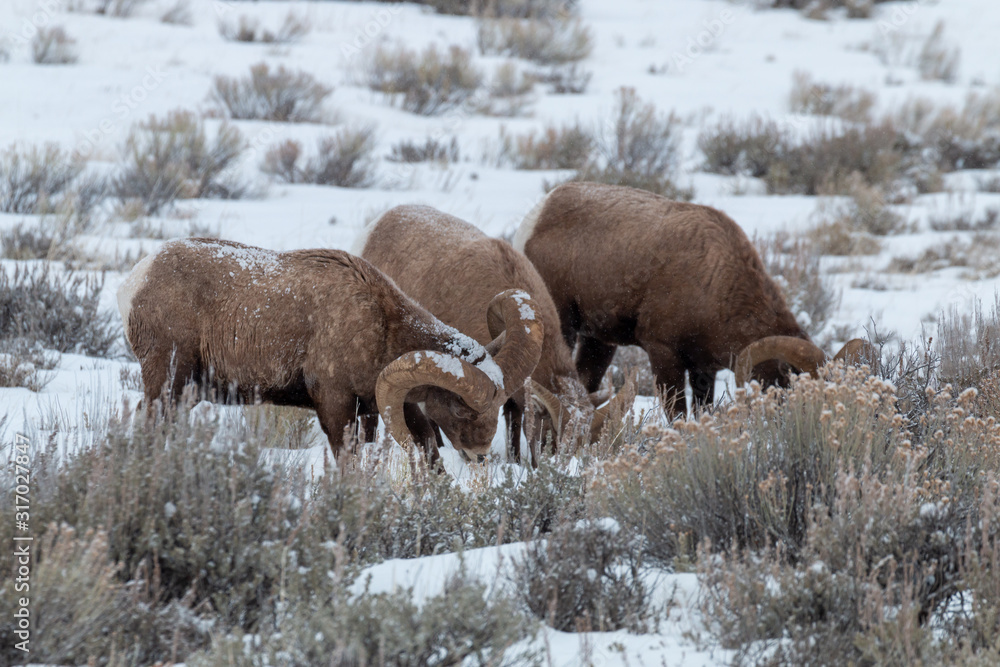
pixel 857 351
pixel 512 314
pixel 420 368
pixel 557 411
pixel 619 404
pixel 799 353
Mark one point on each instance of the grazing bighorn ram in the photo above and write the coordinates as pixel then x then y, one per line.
pixel 627 267
pixel 321 329
pixel 453 269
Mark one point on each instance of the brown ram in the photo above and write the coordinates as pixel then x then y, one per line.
pixel 627 267
pixel 453 269
pixel 321 329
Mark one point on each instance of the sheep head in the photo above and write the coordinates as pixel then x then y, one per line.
pixel 463 393
pixel 763 358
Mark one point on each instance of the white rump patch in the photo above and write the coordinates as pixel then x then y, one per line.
pixel 361 240
pixel 131 285
pixel 527 228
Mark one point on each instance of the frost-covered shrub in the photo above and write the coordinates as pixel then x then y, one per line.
pixel 172 158
pixel 21 365
pixel 966 137
pixel 282 95
pixel 428 83
pixel 969 346
pixel 58 311
pixel 521 9
pixel 584 577
pixel 52 46
pixel 344 159
pixel 509 92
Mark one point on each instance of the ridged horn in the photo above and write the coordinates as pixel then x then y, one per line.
pixel 799 353
pixel 619 403
pixel 513 315
pixel 857 351
pixel 557 411
pixel 421 368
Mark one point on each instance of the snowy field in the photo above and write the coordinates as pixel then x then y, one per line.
pixel 704 60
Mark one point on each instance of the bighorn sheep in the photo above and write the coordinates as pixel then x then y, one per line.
pixel 321 329
pixel 453 269
pixel 627 267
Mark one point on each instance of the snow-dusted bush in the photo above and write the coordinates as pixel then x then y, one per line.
pixel 564 79
pixel 20 365
pixel 521 9
pixel 978 255
pixel 428 83
pixel 58 311
pixel 282 95
pixel 583 578
pixel 52 46
pixel 116 8
pixel 969 346
pixel 966 137
pixel 344 159
pixel 178 13
pixel 937 61
pixel 556 42
pixel 431 150
pixel 172 158
pixel 248 29
pixel 463 625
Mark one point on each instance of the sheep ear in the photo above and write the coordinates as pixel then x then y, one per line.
pixel 422 368
pixel 517 336
pixel 799 353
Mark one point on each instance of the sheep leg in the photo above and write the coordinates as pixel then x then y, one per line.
pixel 513 410
pixel 669 371
pixel 592 360
pixel 702 386
pixel 164 374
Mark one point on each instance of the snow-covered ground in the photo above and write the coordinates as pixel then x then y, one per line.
pixel 703 59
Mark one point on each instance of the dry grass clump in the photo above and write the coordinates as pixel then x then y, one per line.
pixel 58 312
pixel 638 147
pixel 172 158
pixel 965 221
pixel 956 138
pixel 428 83
pixel 565 80
pixel 52 46
pixel 826 161
pixel 37 179
pixel 853 227
pixel 519 9
pixel 969 345
pixel 248 29
pixel 178 13
pixel 282 95
pixel 509 92
pixel 555 147
pixel 558 42
pixel 817 9
pixel 822 99
pixel 344 159
pixel 432 150
pixel 937 61
pixel 977 254
pixel 794 263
